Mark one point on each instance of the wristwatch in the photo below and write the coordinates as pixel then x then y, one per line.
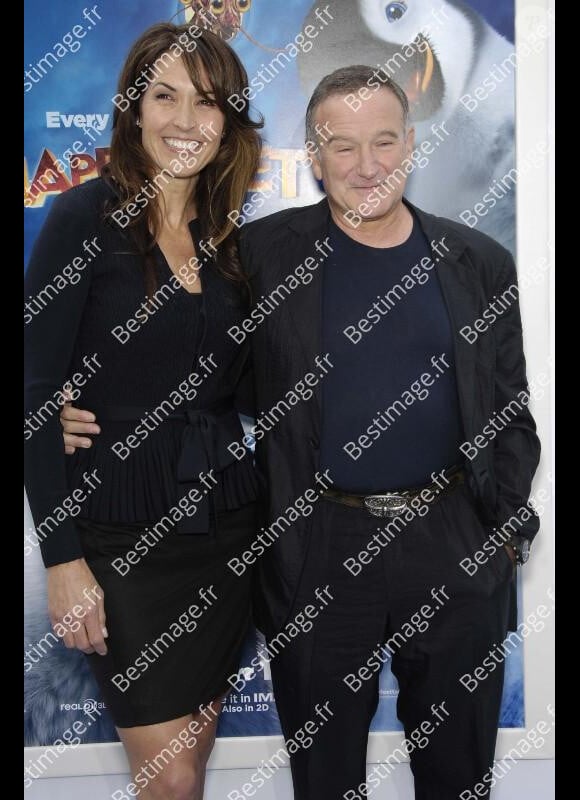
pixel 521 547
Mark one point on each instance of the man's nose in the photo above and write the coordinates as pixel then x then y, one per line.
pixel 368 165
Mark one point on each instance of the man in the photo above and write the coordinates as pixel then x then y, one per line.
pixel 394 438
pixel 403 384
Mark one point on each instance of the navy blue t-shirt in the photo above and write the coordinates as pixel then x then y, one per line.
pixel 391 397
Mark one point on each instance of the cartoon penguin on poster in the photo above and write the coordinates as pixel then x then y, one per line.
pixel 441 52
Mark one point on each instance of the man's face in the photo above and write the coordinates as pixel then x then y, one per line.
pixel 362 149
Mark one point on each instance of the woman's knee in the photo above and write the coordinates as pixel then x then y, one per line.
pixel 177 782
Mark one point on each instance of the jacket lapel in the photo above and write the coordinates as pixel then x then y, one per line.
pixel 462 293
pixel 305 306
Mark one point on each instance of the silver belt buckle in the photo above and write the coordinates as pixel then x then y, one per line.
pixel 385 505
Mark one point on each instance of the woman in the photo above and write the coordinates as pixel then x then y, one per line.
pixel 142 337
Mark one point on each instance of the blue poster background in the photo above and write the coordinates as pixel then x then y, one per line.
pixel 82 81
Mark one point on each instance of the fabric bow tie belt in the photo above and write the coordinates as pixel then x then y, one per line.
pixel 204 447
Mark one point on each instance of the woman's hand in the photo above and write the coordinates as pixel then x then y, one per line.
pixel 76 606
pixel 76 422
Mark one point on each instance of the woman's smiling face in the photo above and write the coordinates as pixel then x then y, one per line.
pixel 178 125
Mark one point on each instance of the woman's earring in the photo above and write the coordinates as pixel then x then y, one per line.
pixel 138 122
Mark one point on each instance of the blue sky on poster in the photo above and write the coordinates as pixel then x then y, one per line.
pixel 88 77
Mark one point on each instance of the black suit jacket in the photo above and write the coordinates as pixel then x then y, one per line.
pixel 491 380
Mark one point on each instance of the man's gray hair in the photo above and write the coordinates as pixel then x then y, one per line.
pixel 346 80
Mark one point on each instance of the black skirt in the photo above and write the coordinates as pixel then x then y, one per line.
pixel 177 618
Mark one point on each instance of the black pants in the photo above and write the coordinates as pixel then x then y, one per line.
pixel 382 613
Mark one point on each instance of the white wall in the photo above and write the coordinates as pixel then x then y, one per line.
pixel 532 780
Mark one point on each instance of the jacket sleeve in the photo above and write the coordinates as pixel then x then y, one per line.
pixel 517 447
pixel 56 288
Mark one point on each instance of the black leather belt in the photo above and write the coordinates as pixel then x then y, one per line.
pixel 394 503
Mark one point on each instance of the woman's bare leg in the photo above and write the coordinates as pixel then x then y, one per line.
pixel 168 760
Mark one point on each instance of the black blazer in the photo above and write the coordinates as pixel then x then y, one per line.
pixel 491 375
pixel 77 322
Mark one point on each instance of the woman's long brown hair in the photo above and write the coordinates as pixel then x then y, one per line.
pixel 222 184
